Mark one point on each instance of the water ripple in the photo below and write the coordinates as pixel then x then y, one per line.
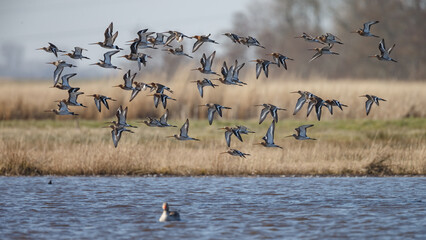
pixel 213 208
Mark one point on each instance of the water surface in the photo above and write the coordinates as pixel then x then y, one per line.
pixel 213 208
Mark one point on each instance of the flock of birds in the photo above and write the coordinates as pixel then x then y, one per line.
pixel 228 76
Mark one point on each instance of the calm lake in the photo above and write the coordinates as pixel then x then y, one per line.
pixel 213 208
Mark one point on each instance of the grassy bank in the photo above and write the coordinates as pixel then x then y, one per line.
pixel 83 147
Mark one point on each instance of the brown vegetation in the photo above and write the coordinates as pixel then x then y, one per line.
pixel 349 143
pixel 377 148
pixel 28 100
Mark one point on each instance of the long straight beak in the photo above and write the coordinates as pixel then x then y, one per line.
pixel 194 69
pixel 93 43
pixel 39 49
pixel 289 136
pixel 93 64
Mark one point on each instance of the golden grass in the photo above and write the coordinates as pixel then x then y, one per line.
pixel 349 143
pixel 28 100
pixel 377 148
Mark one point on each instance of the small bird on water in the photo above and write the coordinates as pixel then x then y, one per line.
pixel 168 215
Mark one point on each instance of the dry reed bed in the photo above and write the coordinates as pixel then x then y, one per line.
pixel 86 150
pixel 28 100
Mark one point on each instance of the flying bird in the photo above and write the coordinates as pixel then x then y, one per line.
pixel 109 39
pixel 183 135
pixel 162 97
pixel 212 108
pixel 330 103
pixel 60 64
pixel 321 51
pixel 204 83
pixel 235 152
pixel 384 54
pixel 77 53
pixel 63 109
pixel 101 99
pixel 301 133
pixel 365 31
pixel 106 63
pixel 51 48
pixel 268 139
pixel 177 51
pixel 64 85
pixel 262 64
pixel 269 108
pixel 200 40
pixel 370 100
pixel 206 64
pixel 280 59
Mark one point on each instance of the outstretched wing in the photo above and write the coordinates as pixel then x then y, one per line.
pixel 184 129
pixel 163 119
pixel 368 104
pixel 210 114
pixel 299 104
pixel 263 114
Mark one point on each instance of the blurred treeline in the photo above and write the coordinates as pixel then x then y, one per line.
pixel 276 24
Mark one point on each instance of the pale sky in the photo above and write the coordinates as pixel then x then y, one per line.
pixel 31 24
